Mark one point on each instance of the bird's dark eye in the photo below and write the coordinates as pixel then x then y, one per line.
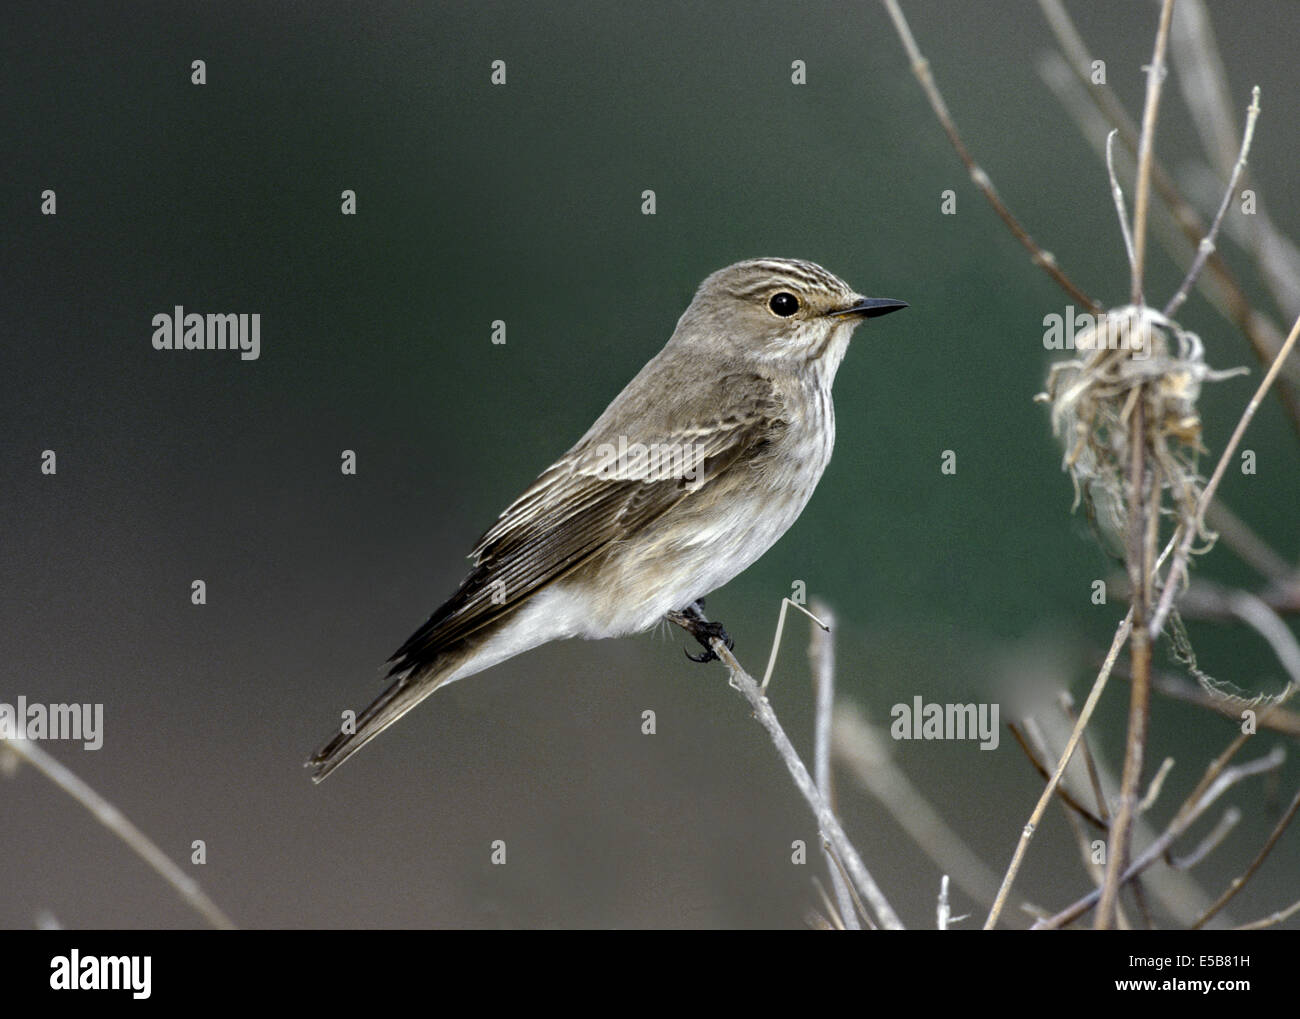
pixel 784 304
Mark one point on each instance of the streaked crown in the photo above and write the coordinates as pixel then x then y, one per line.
pixel 755 277
pixel 776 309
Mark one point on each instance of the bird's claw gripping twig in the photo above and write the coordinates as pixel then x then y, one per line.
pixel 691 619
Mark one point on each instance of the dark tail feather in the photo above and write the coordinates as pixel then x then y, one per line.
pixel 402 695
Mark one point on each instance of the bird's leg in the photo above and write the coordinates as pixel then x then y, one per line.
pixel 691 619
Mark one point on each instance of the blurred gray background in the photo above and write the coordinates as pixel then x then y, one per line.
pixel 522 203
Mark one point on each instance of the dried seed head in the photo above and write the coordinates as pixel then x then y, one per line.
pixel 1131 353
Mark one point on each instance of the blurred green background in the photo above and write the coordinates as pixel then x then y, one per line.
pixel 522 203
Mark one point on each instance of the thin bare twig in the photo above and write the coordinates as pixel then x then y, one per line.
pixel 776 638
pixel 1143 517
pixel 1180 824
pixel 1259 329
pixel 921 68
pixel 1252 549
pixel 1206 247
pixel 1117 193
pixel 821 656
pixel 1230 819
pixel 1157 783
pixel 865 752
pixel 1239 882
pixel 853 892
pixel 1203 81
pixel 1212 772
pixel 1094 778
pixel 1179 689
pixel 1031 826
pixel 831 919
pixel 1142 520
pixel 1204 599
pixel 826 819
pixel 1178 568
pixel 1084 839
pixel 116 822
pixel 1272 920
pixel 1066 797
pixel 1268 624
pixel 1142 190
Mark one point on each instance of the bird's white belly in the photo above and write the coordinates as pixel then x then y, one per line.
pixel 720 546
pixel 637 588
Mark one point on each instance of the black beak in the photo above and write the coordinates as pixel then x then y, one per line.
pixel 870 307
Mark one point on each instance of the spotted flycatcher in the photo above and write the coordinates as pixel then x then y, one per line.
pixel 694 471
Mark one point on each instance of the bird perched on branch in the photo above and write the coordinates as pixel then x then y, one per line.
pixel 694 471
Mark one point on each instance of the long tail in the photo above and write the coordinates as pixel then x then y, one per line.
pixel 404 693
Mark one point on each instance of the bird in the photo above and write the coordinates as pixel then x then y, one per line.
pixel 690 474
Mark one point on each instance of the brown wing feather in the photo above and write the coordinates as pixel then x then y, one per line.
pixel 569 514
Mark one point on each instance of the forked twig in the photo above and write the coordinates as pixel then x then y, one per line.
pixel 1239 882
pixel 1258 328
pixel 776 638
pixel 1066 796
pixel 1181 822
pixel 1230 819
